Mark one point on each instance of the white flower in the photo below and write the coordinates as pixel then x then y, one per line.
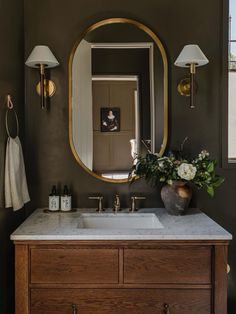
pixel 186 171
pixel 203 154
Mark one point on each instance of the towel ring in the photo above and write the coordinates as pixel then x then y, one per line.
pixel 17 122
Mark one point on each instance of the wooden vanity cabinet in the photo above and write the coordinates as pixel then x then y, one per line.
pixel 124 301
pixel 140 277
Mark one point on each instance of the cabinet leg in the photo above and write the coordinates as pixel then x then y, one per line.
pixel 220 279
pixel 21 279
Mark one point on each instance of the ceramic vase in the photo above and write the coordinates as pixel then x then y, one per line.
pixel 176 197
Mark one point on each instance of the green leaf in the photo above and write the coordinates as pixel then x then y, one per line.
pixel 218 181
pixel 211 166
pixel 210 190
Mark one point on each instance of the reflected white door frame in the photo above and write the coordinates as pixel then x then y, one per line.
pixel 139 45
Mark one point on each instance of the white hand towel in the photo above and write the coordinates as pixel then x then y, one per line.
pixel 16 190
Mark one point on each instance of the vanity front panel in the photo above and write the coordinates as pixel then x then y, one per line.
pixel 117 301
pixel 74 265
pixel 186 265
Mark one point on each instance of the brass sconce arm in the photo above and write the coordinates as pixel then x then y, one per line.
pixel 192 73
pixel 42 78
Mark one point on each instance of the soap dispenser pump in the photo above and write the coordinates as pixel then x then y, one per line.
pixel 66 200
pixel 54 200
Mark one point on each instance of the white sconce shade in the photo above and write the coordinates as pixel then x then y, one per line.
pixel 190 57
pixel 191 54
pixel 41 55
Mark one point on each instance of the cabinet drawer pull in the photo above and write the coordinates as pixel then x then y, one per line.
pixel 166 309
pixel 74 309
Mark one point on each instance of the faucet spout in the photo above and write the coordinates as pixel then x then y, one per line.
pixel 116 207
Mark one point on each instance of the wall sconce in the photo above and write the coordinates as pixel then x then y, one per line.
pixel 190 57
pixel 41 57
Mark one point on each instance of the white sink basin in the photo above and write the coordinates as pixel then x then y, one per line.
pixel 119 221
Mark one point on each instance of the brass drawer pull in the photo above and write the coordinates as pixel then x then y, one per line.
pixel 166 309
pixel 74 309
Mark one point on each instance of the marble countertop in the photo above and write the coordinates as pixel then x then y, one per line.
pixel 65 226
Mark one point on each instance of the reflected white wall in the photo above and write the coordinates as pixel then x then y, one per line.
pixel 82 104
pixel 232 115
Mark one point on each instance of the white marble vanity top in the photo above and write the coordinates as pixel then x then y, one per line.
pixel 65 226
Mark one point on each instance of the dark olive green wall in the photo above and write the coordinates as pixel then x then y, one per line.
pixel 49 159
pixel 11 81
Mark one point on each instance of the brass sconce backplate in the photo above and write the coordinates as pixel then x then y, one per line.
pixel 49 88
pixel 184 87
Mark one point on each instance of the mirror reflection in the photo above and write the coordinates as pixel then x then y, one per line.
pixel 117 99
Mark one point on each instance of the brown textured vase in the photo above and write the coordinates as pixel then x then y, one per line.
pixel 176 197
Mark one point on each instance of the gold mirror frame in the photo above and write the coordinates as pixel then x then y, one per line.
pixel 165 81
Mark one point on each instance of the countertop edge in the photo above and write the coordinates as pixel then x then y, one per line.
pixel 120 237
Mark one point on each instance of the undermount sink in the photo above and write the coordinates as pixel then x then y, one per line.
pixel 119 221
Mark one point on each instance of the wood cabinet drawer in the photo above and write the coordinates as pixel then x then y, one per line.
pixel 120 301
pixel 190 265
pixel 74 265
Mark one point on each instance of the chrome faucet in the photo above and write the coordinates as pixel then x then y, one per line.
pixel 116 206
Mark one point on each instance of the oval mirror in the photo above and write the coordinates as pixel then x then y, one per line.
pixel 118 106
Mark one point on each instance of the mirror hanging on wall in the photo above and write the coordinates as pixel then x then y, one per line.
pixel 118 97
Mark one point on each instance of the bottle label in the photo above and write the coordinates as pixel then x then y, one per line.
pixel 65 203
pixel 54 203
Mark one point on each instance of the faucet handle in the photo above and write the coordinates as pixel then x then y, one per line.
pixel 100 199
pixel 133 202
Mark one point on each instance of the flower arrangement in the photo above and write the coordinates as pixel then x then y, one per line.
pixel 199 170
